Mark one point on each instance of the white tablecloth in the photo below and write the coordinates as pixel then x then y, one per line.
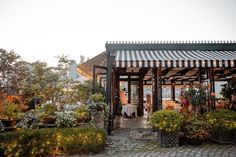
pixel 129 110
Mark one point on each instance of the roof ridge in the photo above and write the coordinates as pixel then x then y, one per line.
pixel 175 42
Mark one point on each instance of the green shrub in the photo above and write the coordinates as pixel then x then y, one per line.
pixel 52 142
pixel 48 110
pixel 166 120
pixel 221 119
pixel 196 128
pixel 12 111
pixel 82 112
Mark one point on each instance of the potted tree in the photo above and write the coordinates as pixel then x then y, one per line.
pixel 223 125
pixel 11 114
pixel 167 123
pixel 197 97
pixel 82 114
pixel 48 115
pixel 196 130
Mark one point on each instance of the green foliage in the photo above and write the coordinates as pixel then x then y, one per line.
pixel 12 111
pixel 48 110
pixel 82 112
pixel 96 102
pixel 52 142
pixel 167 120
pixel 196 95
pixel 98 97
pixel 12 72
pixel 85 90
pixel 221 120
pixel 229 89
pixel 196 128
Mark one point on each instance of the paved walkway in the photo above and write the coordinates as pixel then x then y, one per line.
pixel 143 143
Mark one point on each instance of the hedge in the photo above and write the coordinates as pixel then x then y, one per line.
pixel 52 142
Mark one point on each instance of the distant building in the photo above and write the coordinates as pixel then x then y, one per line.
pixel 72 73
pixel 85 69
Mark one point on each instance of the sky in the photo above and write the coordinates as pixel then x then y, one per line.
pixel 43 29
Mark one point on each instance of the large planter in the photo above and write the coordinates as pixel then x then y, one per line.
pixel 83 119
pixel 169 139
pixel 235 136
pixel 194 141
pixel 48 120
pixel 9 123
pixel 224 137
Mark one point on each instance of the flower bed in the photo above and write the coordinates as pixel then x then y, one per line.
pixel 52 142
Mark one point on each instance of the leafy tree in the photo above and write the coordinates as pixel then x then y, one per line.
pixel 50 83
pixel 12 72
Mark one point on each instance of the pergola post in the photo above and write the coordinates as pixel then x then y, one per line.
pixel 212 84
pixel 173 90
pixel 129 89
pixel 159 88
pixel 110 60
pixel 154 90
pixel 140 104
pixel 94 78
pixel 115 91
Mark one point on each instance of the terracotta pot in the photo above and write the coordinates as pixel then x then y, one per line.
pixel 9 123
pixel 83 119
pixel 48 120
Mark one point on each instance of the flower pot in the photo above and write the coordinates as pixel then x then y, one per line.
pixel 9 123
pixel 83 119
pixel 169 139
pixel 48 120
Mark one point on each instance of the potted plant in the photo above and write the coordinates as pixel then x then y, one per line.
pixel 196 130
pixel 48 115
pixel 82 114
pixel 97 102
pixel 196 96
pixel 29 121
pixel 223 125
pixel 167 123
pixel 65 119
pixel 11 114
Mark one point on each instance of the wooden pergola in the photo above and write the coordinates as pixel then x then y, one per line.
pixel 161 63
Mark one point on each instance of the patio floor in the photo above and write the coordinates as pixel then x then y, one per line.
pixel 132 123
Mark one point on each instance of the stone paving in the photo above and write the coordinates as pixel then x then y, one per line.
pixel 129 143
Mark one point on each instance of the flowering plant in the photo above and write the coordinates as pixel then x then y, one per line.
pixel 167 120
pixel 96 102
pixel 65 119
pixel 196 128
pixel 29 121
pixel 222 119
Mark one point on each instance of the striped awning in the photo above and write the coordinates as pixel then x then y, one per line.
pixel 162 58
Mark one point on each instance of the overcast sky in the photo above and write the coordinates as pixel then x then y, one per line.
pixel 41 29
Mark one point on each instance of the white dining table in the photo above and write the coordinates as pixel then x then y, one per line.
pixel 129 110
